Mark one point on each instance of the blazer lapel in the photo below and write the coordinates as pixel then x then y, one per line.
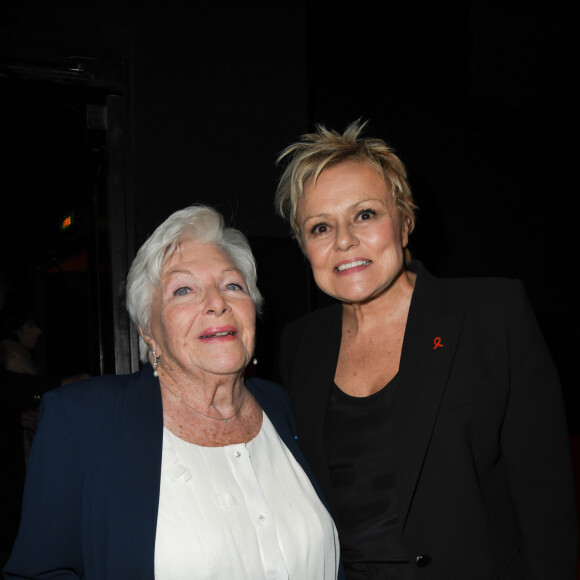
pixel 138 452
pixel 429 346
pixel 317 360
pixel 283 420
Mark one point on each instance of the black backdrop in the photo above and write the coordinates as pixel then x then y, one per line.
pixel 480 99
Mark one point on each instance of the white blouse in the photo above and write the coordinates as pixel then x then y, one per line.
pixel 243 511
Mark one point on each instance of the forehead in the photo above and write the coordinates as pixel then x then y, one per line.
pixel 350 179
pixel 197 255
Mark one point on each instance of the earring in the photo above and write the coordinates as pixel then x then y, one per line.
pixel 155 364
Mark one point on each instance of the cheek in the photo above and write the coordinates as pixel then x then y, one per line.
pixel 317 255
pixel 321 257
pixel 246 318
pixel 388 237
pixel 250 323
pixel 322 273
pixel 174 321
pixel 324 279
pixel 308 252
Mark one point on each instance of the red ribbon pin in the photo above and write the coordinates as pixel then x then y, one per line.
pixel 437 342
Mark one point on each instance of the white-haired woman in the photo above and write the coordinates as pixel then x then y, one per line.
pixel 182 470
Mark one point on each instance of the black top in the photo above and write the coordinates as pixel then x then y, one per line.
pixel 360 450
pixel 479 421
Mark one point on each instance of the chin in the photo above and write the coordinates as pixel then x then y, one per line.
pixel 227 367
pixel 354 295
pixel 355 300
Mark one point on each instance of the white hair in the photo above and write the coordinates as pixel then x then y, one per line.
pixel 202 224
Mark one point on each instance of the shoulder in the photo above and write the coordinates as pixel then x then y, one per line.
pixel 491 304
pixel 476 293
pixel 268 393
pixel 92 395
pixel 10 348
pixel 7 344
pixel 15 358
pixel 481 290
pixel 275 402
pixel 307 337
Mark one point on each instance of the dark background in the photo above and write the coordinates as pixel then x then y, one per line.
pixel 123 114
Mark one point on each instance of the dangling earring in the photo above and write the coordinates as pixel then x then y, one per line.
pixel 155 364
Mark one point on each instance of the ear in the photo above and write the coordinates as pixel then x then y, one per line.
pixel 147 338
pixel 405 223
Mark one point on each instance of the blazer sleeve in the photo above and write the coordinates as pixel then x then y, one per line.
pixel 48 544
pixel 535 443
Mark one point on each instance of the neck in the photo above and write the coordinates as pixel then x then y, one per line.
pixel 392 303
pixel 215 395
pixel 221 417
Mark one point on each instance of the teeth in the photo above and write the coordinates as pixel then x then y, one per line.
pixel 343 267
pixel 218 334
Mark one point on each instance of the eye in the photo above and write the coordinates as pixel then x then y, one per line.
pixel 184 290
pixel 234 286
pixel 318 229
pixel 366 214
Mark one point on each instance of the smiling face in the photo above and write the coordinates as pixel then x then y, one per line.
pixel 202 317
pixel 352 232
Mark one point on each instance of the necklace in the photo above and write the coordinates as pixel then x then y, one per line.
pixel 203 414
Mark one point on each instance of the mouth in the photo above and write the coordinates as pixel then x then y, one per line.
pixel 354 264
pixel 219 334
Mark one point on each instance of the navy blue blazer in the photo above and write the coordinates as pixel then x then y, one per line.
pixel 92 491
pixel 482 457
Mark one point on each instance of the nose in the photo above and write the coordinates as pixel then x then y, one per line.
pixel 215 303
pixel 345 237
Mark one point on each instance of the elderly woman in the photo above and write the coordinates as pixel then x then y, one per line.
pixel 182 470
pixel 429 410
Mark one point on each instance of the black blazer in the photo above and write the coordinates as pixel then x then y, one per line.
pixel 92 491
pixel 482 454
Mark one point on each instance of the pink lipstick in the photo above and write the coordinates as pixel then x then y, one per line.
pixel 219 334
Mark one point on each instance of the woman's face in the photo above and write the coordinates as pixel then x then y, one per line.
pixel 352 232
pixel 202 317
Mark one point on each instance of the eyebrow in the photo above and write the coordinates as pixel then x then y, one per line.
pixel 352 206
pixel 189 272
pixel 176 271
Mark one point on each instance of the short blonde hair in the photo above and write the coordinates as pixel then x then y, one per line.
pixel 315 152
